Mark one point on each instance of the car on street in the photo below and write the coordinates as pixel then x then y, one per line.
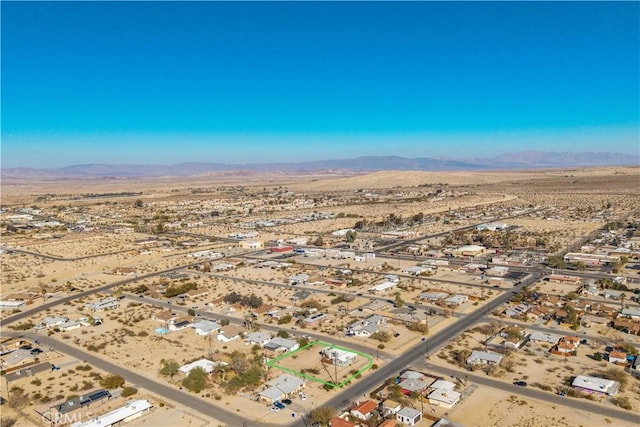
pixel 520 383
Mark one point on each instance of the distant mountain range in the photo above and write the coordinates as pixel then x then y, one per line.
pixel 516 160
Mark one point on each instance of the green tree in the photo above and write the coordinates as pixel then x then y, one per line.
pixel 322 415
pixel 196 380
pixel 169 367
pixel 350 236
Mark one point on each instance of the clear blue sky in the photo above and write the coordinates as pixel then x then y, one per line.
pixel 161 82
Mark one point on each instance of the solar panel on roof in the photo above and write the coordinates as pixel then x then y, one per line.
pixel 98 395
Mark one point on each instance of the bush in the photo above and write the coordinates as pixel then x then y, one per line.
pixel 112 381
pixel 129 391
pixel 196 380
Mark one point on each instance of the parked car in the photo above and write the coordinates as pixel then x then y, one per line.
pixel 397 334
pixel 520 383
pixel 279 405
pixel 302 396
pixel 274 409
pixel 287 401
pixel 35 351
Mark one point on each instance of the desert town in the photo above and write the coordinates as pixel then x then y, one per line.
pixel 382 299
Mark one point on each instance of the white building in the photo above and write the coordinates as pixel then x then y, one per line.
pixel 409 416
pixel 596 385
pixel 131 410
pixel 484 358
pixel 207 365
pixel 339 357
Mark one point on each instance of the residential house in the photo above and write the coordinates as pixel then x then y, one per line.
pixel 409 416
pixel 618 357
pixel 205 327
pixel 627 326
pixel 479 357
pixel 567 345
pixel 382 287
pixel 390 407
pixel 53 321
pixel 364 410
pixel 445 398
pixel 205 364
pixel 164 316
pixel 544 337
pixel 108 303
pixel 180 323
pixel 230 333
pixel 341 422
pixel 131 410
pixel 194 293
pixel 433 296
pixel 315 319
pixel 414 382
pixel 595 385
pixel 366 327
pixel 338 357
pixel 631 313
pixel 259 338
pixel 456 299
pixel 517 311
pixel 281 345
pixel 281 387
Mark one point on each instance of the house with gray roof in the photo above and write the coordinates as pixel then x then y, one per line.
pixel 281 345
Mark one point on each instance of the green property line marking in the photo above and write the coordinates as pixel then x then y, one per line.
pixel 273 363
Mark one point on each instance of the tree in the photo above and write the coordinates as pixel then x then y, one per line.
pixel 322 415
pixel 196 380
pixel 350 236
pixel 283 334
pixel 139 203
pixel 169 367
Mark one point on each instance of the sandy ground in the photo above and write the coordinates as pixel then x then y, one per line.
pixel 490 407
pixel 574 203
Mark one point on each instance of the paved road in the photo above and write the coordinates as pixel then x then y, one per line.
pixel 182 397
pixel 576 403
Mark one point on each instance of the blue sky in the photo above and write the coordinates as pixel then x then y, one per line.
pixel 163 82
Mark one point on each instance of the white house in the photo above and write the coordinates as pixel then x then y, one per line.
pixel 131 410
pixel 207 365
pixel 53 321
pixel 479 357
pixel 104 304
pixel 409 416
pixel 381 287
pixel 444 398
pixel 205 327
pixel 282 345
pixel 456 299
pixel 595 385
pixel 433 296
pixel 339 357
pixel 260 338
